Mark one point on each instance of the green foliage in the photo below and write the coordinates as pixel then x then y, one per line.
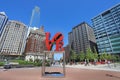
pixel 38 62
pixel 106 56
pixel 1 63
pixel 22 62
pixel 47 63
pixel 95 54
pixel 114 57
pixel 81 56
pixel 89 54
pixel 31 60
pixel 73 55
pixel 109 57
pixel 103 56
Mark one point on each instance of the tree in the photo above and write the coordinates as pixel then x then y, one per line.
pixel 81 56
pixel 114 58
pixel 73 55
pixel 117 58
pixel 109 57
pixel 95 54
pixel 89 54
pixel 103 56
pixel 95 57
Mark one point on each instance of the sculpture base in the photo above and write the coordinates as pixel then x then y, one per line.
pixel 56 61
pixel 54 74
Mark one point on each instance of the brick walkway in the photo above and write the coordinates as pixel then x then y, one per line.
pixel 71 74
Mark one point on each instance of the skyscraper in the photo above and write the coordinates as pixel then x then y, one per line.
pixel 14 39
pixel 81 38
pixel 3 21
pixel 107 30
pixel 35 18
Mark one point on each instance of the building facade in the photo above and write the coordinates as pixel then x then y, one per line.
pixel 81 38
pixel 3 21
pixel 67 53
pixel 35 44
pixel 14 39
pixel 107 30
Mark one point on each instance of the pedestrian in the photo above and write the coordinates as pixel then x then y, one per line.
pixel 109 64
pixel 85 63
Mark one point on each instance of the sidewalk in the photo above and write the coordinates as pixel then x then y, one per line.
pixel 98 67
pixel 1 67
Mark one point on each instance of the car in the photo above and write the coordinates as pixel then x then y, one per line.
pixel 7 66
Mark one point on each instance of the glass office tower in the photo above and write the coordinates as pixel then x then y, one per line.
pixel 107 30
pixel 35 18
pixel 3 21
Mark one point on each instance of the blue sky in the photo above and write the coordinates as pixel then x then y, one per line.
pixel 56 15
pixel 58 56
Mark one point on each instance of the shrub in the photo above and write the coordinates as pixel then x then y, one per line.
pixel 47 63
pixel 31 60
pixel 38 64
pixel 37 60
pixel 1 63
pixel 22 62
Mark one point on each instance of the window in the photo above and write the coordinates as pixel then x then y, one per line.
pixel 17 25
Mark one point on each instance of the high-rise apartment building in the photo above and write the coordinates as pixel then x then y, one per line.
pixel 14 39
pixel 3 21
pixel 81 38
pixel 35 18
pixel 107 30
pixel 35 44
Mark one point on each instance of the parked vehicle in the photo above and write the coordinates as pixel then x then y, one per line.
pixel 7 66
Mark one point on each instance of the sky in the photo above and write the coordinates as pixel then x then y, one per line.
pixel 56 56
pixel 56 15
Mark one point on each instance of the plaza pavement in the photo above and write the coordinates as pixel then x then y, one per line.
pixel 106 67
pixel 74 72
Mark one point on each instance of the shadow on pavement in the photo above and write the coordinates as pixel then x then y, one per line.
pixel 109 75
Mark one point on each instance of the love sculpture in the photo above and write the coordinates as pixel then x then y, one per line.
pixel 57 40
pixel 49 54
